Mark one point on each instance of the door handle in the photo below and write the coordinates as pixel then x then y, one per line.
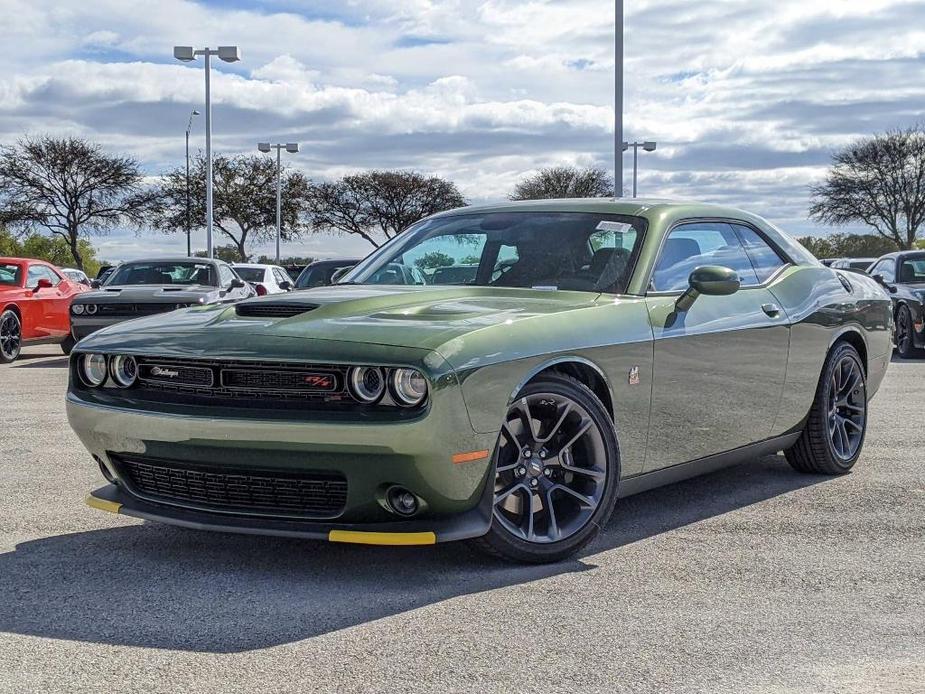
pixel 773 310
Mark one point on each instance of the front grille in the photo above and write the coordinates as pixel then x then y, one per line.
pixel 235 490
pixel 236 383
pixel 136 309
pixel 266 309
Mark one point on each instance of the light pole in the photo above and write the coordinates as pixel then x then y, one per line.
pixel 648 146
pixel 292 148
pixel 188 127
pixel 230 54
pixel 618 99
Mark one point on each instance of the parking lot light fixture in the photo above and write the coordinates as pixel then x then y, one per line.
pixel 648 146
pixel 292 148
pixel 189 127
pixel 229 54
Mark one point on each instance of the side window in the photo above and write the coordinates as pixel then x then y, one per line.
pixel 765 259
pixel 279 275
pixel 35 274
pixel 885 268
pixel 225 275
pixel 611 247
pixel 689 246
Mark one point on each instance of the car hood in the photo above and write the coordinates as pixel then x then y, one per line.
pixel 422 317
pixel 154 293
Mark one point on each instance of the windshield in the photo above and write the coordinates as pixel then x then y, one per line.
pixel 185 273
pixel 546 250
pixel 10 275
pixel 250 274
pixel 912 271
pixel 319 275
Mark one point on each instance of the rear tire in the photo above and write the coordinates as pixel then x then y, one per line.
pixel 903 335
pixel 10 336
pixel 68 344
pixel 556 472
pixel 833 437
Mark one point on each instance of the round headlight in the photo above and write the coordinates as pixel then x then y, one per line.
pixel 366 383
pixel 77 309
pixel 90 309
pixel 124 370
pixel 93 369
pixel 408 387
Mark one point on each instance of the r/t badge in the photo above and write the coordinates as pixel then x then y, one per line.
pixel 634 376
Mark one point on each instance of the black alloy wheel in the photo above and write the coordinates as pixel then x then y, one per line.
pixel 833 436
pixel 905 344
pixel 10 336
pixel 556 472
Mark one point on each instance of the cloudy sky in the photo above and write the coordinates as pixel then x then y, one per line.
pixel 747 98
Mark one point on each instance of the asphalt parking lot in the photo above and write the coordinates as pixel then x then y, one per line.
pixel 753 579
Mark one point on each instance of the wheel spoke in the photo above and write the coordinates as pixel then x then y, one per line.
pixel 528 511
pixel 566 410
pixel 850 422
pixel 512 435
pixel 588 503
pixel 551 512
pixel 587 472
pixel 582 430
pixel 501 496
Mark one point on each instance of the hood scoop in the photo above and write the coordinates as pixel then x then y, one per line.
pixel 269 309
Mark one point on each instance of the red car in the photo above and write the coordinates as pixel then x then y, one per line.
pixel 35 304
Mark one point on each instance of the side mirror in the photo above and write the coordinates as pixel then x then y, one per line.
pixel 878 278
pixel 710 280
pixel 43 283
pixel 286 286
pixel 237 283
pixel 96 284
pixel 337 274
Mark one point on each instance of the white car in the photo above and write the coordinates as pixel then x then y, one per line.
pixel 267 279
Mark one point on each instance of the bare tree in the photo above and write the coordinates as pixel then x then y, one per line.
pixel 379 205
pixel 878 181
pixel 69 187
pixel 565 182
pixel 244 200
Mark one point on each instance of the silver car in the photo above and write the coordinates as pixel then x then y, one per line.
pixel 146 287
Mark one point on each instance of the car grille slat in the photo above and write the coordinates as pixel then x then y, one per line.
pixel 144 309
pixel 255 491
pixel 266 309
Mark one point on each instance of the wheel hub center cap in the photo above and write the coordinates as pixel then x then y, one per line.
pixel 535 467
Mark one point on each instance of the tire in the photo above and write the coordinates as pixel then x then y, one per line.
pixel 903 335
pixel 68 344
pixel 829 445
pixel 10 336
pixel 570 473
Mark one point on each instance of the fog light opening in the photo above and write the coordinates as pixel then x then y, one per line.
pixel 402 502
pixel 105 470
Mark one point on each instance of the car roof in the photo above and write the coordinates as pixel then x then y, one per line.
pixel 20 261
pixel 322 261
pixel 626 206
pixel 174 259
pixel 253 265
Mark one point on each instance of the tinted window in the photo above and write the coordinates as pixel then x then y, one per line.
pixel 550 250
pixel 250 274
pixel 885 269
pixel 162 273
pixel 10 274
pixel 912 270
pixel 689 246
pixel 765 260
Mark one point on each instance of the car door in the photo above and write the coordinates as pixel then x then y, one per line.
pixel 58 301
pixel 40 301
pixel 719 367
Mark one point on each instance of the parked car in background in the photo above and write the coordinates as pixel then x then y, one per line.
pixel 102 275
pixel 852 264
pixel 266 279
pixel 319 273
pixel 827 261
pixel 455 274
pixel 902 274
pixel 76 275
pixel 35 298
pixel 605 347
pixel 145 287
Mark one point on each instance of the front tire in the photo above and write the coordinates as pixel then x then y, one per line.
pixel 833 437
pixel 10 336
pixel 557 469
pixel 905 343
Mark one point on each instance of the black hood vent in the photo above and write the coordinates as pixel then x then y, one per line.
pixel 268 309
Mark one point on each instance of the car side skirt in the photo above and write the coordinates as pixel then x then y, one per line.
pixel 702 466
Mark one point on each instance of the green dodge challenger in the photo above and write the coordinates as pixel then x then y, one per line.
pixel 580 351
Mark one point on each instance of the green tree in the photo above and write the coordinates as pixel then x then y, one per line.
pixel 841 245
pixel 565 182
pixel 53 249
pixel 878 181
pixel 71 188
pixel 434 259
pixel 379 204
pixel 244 200
pixel 230 253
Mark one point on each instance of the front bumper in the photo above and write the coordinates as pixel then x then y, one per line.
pixel 81 326
pixel 415 454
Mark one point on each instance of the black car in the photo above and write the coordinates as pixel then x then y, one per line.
pixel 903 276
pixel 320 273
pixel 852 264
